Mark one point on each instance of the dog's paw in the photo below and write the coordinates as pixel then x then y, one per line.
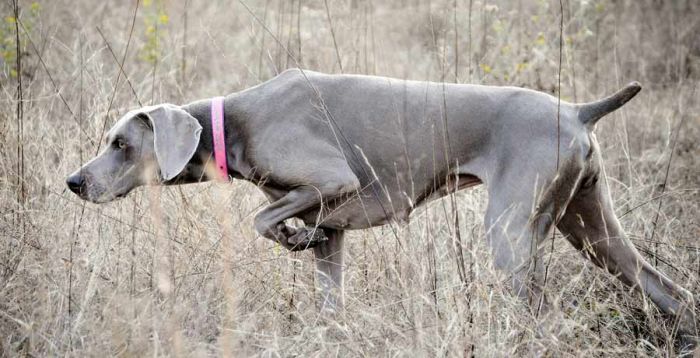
pixel 285 231
pixel 306 238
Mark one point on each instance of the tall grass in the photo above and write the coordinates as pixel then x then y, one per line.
pixel 180 270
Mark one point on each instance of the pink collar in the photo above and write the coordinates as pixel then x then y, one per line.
pixel 217 131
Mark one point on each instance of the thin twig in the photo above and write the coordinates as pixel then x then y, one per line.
pixel 262 42
pixel 183 64
pixel 299 30
pixel 53 82
pixel 663 185
pixel 675 246
pixel 335 43
pixel 121 68
pixel 469 51
pixel 456 49
pixel 21 197
pixel 155 67
pixel 555 214
pixel 651 200
pixel 119 74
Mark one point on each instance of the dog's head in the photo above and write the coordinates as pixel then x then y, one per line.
pixel 149 145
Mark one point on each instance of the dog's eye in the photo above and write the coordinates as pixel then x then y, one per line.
pixel 119 144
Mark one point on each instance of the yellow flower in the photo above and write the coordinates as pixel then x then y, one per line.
pixel 163 19
pixel 540 39
pixel 10 19
pixel 277 249
pixel 486 68
pixel 497 26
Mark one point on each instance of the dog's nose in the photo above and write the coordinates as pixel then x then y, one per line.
pixel 76 183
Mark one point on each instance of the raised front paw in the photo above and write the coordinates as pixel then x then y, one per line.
pixel 305 238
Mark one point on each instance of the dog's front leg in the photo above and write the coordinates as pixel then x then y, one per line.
pixel 591 226
pixel 519 220
pixel 270 221
pixel 336 180
pixel 329 270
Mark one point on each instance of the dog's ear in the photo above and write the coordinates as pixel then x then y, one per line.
pixel 175 135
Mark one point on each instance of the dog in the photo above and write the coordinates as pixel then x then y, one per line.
pixel 346 152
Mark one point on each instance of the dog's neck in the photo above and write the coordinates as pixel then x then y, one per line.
pixel 238 167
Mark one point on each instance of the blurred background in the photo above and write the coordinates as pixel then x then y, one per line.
pixel 180 270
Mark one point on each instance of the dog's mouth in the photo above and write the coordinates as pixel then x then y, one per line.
pixel 108 197
pixel 120 195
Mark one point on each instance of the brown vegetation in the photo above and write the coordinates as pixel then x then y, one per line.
pixel 180 271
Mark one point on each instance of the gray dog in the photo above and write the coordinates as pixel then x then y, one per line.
pixel 347 152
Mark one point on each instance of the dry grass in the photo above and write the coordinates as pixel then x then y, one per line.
pixel 180 271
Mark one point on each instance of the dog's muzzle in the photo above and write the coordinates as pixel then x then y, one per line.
pixel 76 184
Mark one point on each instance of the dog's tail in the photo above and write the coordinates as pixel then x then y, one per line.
pixel 590 113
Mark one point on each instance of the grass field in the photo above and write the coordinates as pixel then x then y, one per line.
pixel 180 270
